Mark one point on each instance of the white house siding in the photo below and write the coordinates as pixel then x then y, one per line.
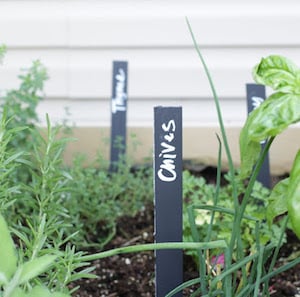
pixel 78 40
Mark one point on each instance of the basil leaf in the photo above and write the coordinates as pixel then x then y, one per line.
pixel 279 73
pixel 274 115
pixel 277 203
pixel 293 196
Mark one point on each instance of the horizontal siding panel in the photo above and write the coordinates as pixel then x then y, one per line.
pixel 96 113
pixel 147 23
pixel 77 40
pixel 160 74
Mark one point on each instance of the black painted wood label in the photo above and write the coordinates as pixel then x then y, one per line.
pixel 168 196
pixel 118 113
pixel 256 94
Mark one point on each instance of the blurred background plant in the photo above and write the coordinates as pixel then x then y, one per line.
pixel 199 192
pixel 52 206
pixel 2 52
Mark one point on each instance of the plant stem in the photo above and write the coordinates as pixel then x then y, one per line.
pixel 241 209
pixel 219 113
pixel 156 246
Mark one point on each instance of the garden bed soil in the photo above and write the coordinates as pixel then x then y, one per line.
pixel 132 275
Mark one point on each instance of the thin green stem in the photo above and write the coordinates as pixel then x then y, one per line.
pixel 156 246
pixel 259 269
pixel 221 124
pixel 219 113
pixel 216 195
pixel 242 207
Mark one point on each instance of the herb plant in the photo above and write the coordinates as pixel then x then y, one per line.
pixel 21 104
pixel 200 194
pixel 15 273
pixel 97 198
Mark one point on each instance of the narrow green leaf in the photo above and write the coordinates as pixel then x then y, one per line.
pixel 35 267
pixel 277 204
pixel 293 196
pixel 8 258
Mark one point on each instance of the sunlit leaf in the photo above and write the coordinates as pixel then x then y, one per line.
pixel 35 267
pixel 8 258
pixel 276 113
pixel 278 200
pixel 279 73
pixel 293 198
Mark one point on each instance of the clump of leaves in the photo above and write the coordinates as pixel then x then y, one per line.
pixel 20 267
pixel 15 273
pixel 98 198
pixel 200 195
pixel 21 104
pixel 20 107
pixel 39 221
pixel 280 110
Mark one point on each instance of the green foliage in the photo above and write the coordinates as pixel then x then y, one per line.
pixel 21 104
pixel 15 271
pixel 98 198
pixel 16 268
pixel 20 108
pixel 275 114
pixel 200 194
pixel 8 257
pixel 293 196
pixel 50 206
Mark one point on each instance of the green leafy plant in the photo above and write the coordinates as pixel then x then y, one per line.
pixel 98 198
pixel 17 270
pixel 200 194
pixel 20 107
pixel 45 261
pixel 15 273
pixel 279 111
pixel 21 103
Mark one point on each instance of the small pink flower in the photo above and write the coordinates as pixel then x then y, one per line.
pixel 218 260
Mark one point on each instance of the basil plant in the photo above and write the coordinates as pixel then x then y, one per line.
pixel 273 116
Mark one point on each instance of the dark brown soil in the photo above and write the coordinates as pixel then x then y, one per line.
pixel 132 275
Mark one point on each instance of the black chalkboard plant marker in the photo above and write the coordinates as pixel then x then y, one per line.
pixel 118 113
pixel 168 197
pixel 256 94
